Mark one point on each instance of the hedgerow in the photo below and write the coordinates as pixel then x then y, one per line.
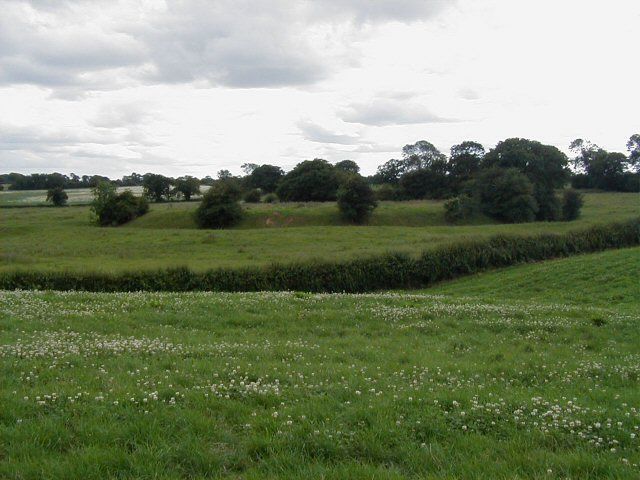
pixel 386 271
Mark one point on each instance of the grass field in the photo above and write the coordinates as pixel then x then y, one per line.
pixel 63 238
pixel 483 378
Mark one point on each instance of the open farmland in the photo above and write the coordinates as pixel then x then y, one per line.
pixel 41 239
pixel 482 383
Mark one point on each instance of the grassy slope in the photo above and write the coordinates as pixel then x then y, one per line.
pixel 323 386
pixel 48 238
pixel 607 279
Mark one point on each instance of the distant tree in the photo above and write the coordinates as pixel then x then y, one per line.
pixel 545 166
pixel 572 202
pixel 421 155
pixel 156 186
pixel 224 174
pixel 602 169
pixel 464 163
pixel 356 200
pixel 57 196
pixel 390 172
pixel 310 181
pixel 187 186
pixel 265 177
pixel 219 207
pixel 506 194
pixel 348 166
pixel 248 168
pixel 633 146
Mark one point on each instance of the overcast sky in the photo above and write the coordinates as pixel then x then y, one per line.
pixel 191 87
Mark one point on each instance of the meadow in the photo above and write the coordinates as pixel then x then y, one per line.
pixel 53 239
pixel 483 377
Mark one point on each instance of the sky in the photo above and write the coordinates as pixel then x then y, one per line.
pixel 189 87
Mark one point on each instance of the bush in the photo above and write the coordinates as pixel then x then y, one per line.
pixel 121 208
pixel 461 208
pixel 506 194
pixel 388 271
pixel 252 196
pixel 219 207
pixel 270 198
pixel 571 204
pixel 355 199
pixel 57 196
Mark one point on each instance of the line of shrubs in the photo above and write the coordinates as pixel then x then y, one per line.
pixel 386 271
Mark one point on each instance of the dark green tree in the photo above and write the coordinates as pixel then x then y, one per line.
pixel 356 200
pixel 545 166
pixel 506 194
pixel 265 177
pixel 310 181
pixel 348 166
pixel 219 207
pixel 187 186
pixel 464 163
pixel 156 186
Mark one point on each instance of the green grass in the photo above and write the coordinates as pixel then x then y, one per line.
pixel 300 386
pixel 63 238
pixel 607 278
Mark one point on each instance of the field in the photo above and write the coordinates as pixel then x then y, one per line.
pixel 483 377
pixel 43 239
pixel 77 196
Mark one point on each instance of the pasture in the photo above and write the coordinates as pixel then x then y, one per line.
pixel 479 378
pixel 42 239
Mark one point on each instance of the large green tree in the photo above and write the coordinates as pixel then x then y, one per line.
pixel 265 177
pixel 310 181
pixel 545 166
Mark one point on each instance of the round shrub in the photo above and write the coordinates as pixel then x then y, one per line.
pixel 57 196
pixel 219 207
pixel 571 204
pixel 252 196
pixel 355 199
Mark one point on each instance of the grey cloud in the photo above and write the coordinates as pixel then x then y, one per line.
pixel 384 112
pixel 317 133
pixel 74 47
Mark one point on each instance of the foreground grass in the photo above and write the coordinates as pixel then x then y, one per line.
pixel 292 385
pixel 63 239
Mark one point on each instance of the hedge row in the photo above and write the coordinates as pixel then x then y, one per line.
pixel 362 275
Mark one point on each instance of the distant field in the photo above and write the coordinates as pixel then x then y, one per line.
pixel 63 238
pixel 500 379
pixel 77 196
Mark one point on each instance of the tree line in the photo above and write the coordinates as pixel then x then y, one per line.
pixel 515 181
